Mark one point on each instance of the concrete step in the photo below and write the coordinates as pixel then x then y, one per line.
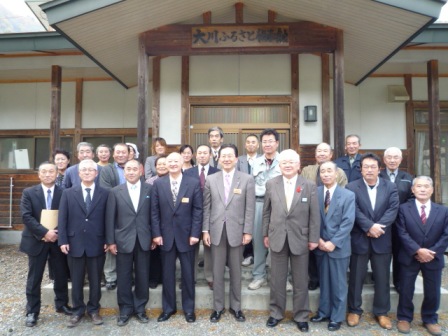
pixel 251 300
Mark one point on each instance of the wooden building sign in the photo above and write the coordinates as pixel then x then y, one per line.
pixel 239 36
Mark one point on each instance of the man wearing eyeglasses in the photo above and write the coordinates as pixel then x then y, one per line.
pixel 264 168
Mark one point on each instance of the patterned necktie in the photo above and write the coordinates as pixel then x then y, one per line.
pixel 392 177
pixel 423 214
pixel 174 190
pixel 49 199
pixel 202 178
pixel 226 186
pixel 88 199
pixel 327 200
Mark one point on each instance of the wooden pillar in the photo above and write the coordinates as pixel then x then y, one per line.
pixel 55 119
pixel 272 15
pixel 156 97
pixel 185 105
pixel 78 112
pixel 207 18
pixel 325 79
pixel 142 113
pixel 410 137
pixel 434 127
pixel 239 16
pixel 295 141
pixel 338 95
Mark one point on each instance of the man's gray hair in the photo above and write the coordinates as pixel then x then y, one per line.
pixel 423 177
pixel 288 154
pixel 47 163
pixel 335 166
pixel 86 144
pixel 86 163
pixel 389 150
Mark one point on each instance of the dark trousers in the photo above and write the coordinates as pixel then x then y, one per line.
pixel 381 272
pixel 248 250
pixel 36 269
pixel 155 266
pixel 78 266
pixel 432 280
pixel 396 244
pixel 313 270
pixel 169 279
pixel 137 263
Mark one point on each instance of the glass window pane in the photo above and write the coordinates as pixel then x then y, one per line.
pixel 16 153
pixel 42 149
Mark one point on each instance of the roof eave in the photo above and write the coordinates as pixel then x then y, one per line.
pixel 429 8
pixel 34 42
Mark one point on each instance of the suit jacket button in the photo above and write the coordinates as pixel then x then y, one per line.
pixel 87 219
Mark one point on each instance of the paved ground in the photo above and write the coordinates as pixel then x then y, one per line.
pixel 13 268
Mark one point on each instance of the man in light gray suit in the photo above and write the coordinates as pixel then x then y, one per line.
pixel 128 234
pixel 291 226
pixel 337 216
pixel 229 205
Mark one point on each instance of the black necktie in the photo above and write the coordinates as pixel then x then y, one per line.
pixel 327 200
pixel 88 199
pixel 202 178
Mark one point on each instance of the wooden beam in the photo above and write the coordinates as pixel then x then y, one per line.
pixel 78 113
pixel 207 18
pixel 155 97
pixel 176 40
pixel 338 95
pixel 325 79
pixel 272 15
pixel 55 119
pixel 434 128
pixel 410 137
pixel 295 140
pixel 239 13
pixel 185 106
pixel 142 111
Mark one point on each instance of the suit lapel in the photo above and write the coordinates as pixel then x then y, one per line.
pixel 280 189
pixel 295 195
pixel 182 191
pixel 220 186
pixel 144 188
pixel 40 196
pixel 95 198
pixel 431 218
pixel 166 189
pixel 333 202
pixel 365 197
pixel 416 216
pixel 80 198
pixel 320 197
pixel 126 197
pixel 57 195
pixel 235 184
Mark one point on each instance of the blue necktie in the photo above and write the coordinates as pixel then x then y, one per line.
pixel 49 199
pixel 88 199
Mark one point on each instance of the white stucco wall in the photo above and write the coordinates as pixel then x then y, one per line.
pixel 420 88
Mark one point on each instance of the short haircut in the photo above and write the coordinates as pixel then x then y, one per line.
pixel 217 129
pixel 335 166
pixel 252 135
pixel 121 144
pixel 161 141
pixel 204 145
pixel 47 163
pixel 85 144
pixel 138 162
pixel 324 143
pixel 104 146
pixel 288 153
pixel 353 136
pixel 393 149
pixel 269 131
pixel 88 162
pixel 372 156
pixel 423 177
pixel 61 151
pixel 159 157
pixel 235 149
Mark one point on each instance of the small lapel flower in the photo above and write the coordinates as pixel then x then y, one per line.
pixel 299 189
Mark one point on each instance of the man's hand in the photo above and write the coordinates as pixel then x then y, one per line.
pixel 247 238
pixel 312 246
pixel 266 242
pixel 65 248
pixel 113 248
pixel 321 244
pixel 206 238
pixel 158 241
pixel 376 230
pixel 424 255
pixel 329 246
pixel 51 236
pixel 194 240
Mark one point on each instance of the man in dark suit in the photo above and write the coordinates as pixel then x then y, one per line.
pixel 423 230
pixel 128 234
pixel 201 172
pixel 85 151
pixel 392 159
pixel 337 216
pixel 215 139
pixel 371 238
pixel 82 237
pixel 290 229
pixel 350 163
pixel 111 176
pixel 38 243
pixel 176 219
pixel 229 205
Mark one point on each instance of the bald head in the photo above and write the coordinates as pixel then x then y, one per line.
pixel 174 162
pixel 324 153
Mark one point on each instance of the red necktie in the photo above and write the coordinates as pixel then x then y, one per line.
pixel 423 214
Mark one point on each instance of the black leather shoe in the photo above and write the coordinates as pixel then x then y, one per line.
pixel 303 326
pixel 201 263
pixel 190 317
pixel 165 316
pixel 122 320
pixel 239 316
pixel 67 310
pixel 153 284
pixel 142 317
pixel 272 322
pixel 216 315
pixel 31 319
pixel 74 320
pixel 313 285
pixel 111 285
pixel 318 318
pixel 333 326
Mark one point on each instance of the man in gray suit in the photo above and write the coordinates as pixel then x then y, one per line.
pixel 337 215
pixel 291 229
pixel 229 205
pixel 128 234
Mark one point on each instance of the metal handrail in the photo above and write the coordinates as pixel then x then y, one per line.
pixel 10 206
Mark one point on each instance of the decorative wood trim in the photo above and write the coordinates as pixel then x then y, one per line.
pixel 272 16
pixel 42 54
pixel 55 118
pixel 48 80
pixel 207 18
pixel 338 95
pixel 434 127
pixel 142 111
pixel 239 13
pixel 155 97
pixel 185 105
pixel 404 74
pixel 325 79
pixel 294 134
pixel 410 137
pixel 78 112
pixel 229 100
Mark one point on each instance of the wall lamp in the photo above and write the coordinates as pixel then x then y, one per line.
pixel 310 113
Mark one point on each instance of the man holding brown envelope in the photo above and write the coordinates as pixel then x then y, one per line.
pixel 38 206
